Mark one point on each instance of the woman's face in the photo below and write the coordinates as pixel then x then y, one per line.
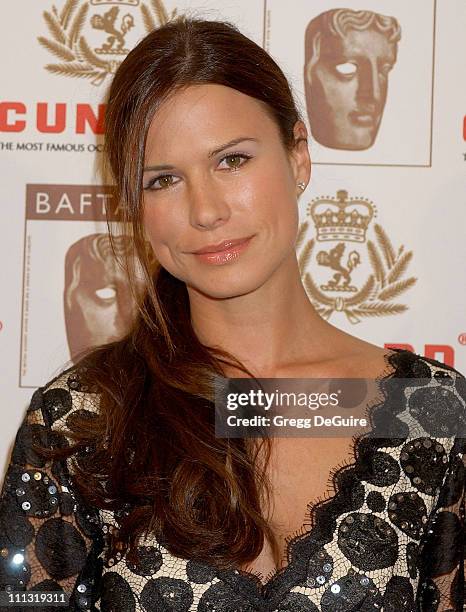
pixel 208 192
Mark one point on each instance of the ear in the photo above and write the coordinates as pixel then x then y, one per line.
pixel 299 156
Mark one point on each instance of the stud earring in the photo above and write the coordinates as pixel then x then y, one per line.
pixel 302 185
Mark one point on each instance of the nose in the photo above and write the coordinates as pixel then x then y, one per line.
pixel 207 206
pixel 370 86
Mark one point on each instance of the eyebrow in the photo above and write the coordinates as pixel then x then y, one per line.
pixel 212 153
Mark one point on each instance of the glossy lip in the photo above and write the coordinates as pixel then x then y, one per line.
pixel 221 246
pixel 226 255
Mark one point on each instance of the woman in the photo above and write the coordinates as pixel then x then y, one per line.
pixel 137 505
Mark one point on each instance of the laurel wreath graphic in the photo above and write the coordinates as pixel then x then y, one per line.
pixel 373 299
pixel 68 44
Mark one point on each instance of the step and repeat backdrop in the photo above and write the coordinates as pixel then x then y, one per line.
pixel 380 84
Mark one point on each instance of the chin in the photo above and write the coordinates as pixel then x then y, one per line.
pixel 229 286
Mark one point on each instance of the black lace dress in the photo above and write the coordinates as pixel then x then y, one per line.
pixel 391 537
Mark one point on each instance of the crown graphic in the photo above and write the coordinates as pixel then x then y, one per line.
pixel 341 218
pixel 117 2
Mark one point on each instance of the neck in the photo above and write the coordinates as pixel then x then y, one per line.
pixel 268 329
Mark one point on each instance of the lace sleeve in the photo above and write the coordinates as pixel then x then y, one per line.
pixel 49 539
pixel 442 549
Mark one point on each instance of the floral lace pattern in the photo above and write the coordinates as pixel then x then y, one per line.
pixel 390 538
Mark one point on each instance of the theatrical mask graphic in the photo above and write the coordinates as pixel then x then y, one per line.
pixel 98 303
pixel 348 57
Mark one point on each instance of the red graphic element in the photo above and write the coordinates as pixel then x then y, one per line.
pixel 431 351
pixel 7 110
pixel 462 338
pixel 42 117
pixel 52 118
pixel 85 114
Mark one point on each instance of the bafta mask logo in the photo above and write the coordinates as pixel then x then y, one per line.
pixel 99 307
pixel 90 37
pixel 348 58
pixel 339 282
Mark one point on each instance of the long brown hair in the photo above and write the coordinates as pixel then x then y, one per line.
pixel 150 451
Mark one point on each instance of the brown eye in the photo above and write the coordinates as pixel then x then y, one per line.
pixel 236 156
pixel 165 181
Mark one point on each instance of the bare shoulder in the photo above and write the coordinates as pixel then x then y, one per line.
pixel 357 358
pixel 371 360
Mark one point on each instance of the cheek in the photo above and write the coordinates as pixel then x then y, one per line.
pixel 157 226
pixel 163 231
pixel 287 219
pixel 281 212
pixel 273 183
